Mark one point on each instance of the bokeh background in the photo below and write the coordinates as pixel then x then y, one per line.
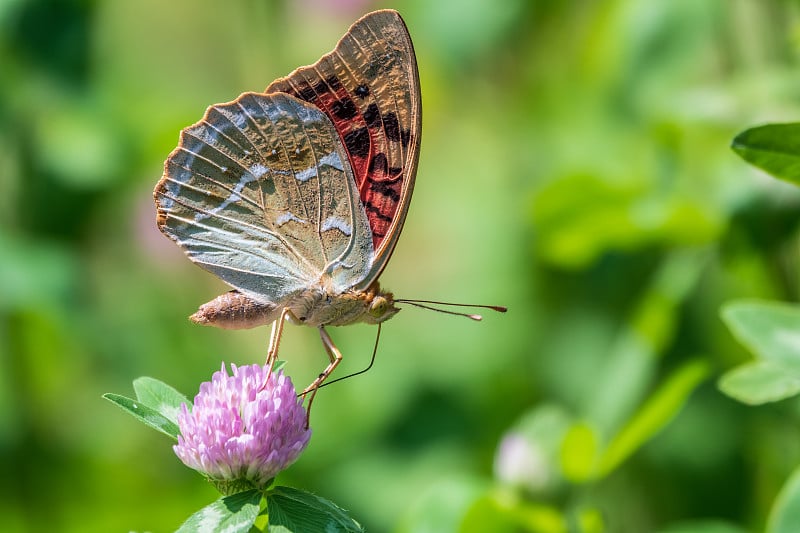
pixel 575 167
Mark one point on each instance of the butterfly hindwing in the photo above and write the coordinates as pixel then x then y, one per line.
pixel 260 193
pixel 369 88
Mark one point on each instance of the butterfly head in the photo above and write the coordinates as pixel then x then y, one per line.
pixel 381 308
pixel 380 305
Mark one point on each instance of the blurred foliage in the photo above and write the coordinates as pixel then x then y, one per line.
pixel 772 147
pixel 786 513
pixel 575 166
pixel 772 332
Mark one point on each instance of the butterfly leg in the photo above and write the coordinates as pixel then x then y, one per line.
pixel 335 357
pixel 275 337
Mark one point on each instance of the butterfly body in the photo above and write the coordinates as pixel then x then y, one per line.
pixel 315 306
pixel 296 197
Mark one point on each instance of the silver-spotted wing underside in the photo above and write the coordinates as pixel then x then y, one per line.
pixel 260 192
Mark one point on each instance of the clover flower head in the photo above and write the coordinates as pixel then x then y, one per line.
pixel 243 428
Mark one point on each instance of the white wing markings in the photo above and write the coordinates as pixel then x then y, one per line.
pixel 246 178
pixel 306 174
pixel 337 223
pixel 332 159
pixel 286 217
pixel 258 170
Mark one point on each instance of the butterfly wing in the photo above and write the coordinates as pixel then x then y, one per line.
pixel 369 87
pixel 260 193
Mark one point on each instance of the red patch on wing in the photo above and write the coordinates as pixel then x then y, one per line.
pixel 379 185
pixel 369 89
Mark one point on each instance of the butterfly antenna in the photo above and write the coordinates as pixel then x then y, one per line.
pixel 371 362
pixel 420 303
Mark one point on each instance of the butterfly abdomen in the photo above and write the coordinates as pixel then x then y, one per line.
pixel 234 310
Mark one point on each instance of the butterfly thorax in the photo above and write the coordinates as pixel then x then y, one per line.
pixel 323 306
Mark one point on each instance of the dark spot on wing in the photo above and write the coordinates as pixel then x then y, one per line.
pixel 362 91
pixel 386 189
pixel 321 87
pixel 376 211
pixel 357 142
pixel 372 116
pixel 379 164
pixel 405 137
pixel 392 126
pixel 307 93
pixel 344 109
pixel 334 83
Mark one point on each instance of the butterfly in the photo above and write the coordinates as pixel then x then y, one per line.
pixel 296 196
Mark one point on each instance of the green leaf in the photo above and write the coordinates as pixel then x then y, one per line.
pixel 785 514
pixel 582 459
pixel 293 510
pixel 160 396
pixel 656 413
pixel 146 414
pixel 760 382
pixel 771 330
pixel 231 514
pixel 774 148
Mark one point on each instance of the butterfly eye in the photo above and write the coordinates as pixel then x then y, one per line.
pixel 378 307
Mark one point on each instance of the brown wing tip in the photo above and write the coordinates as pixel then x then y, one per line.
pixel 161 212
pixel 161 219
pixel 378 18
pixel 380 13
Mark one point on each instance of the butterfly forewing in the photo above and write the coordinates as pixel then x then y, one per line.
pixel 261 194
pixel 369 87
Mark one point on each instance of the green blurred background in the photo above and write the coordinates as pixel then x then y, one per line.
pixel 575 167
